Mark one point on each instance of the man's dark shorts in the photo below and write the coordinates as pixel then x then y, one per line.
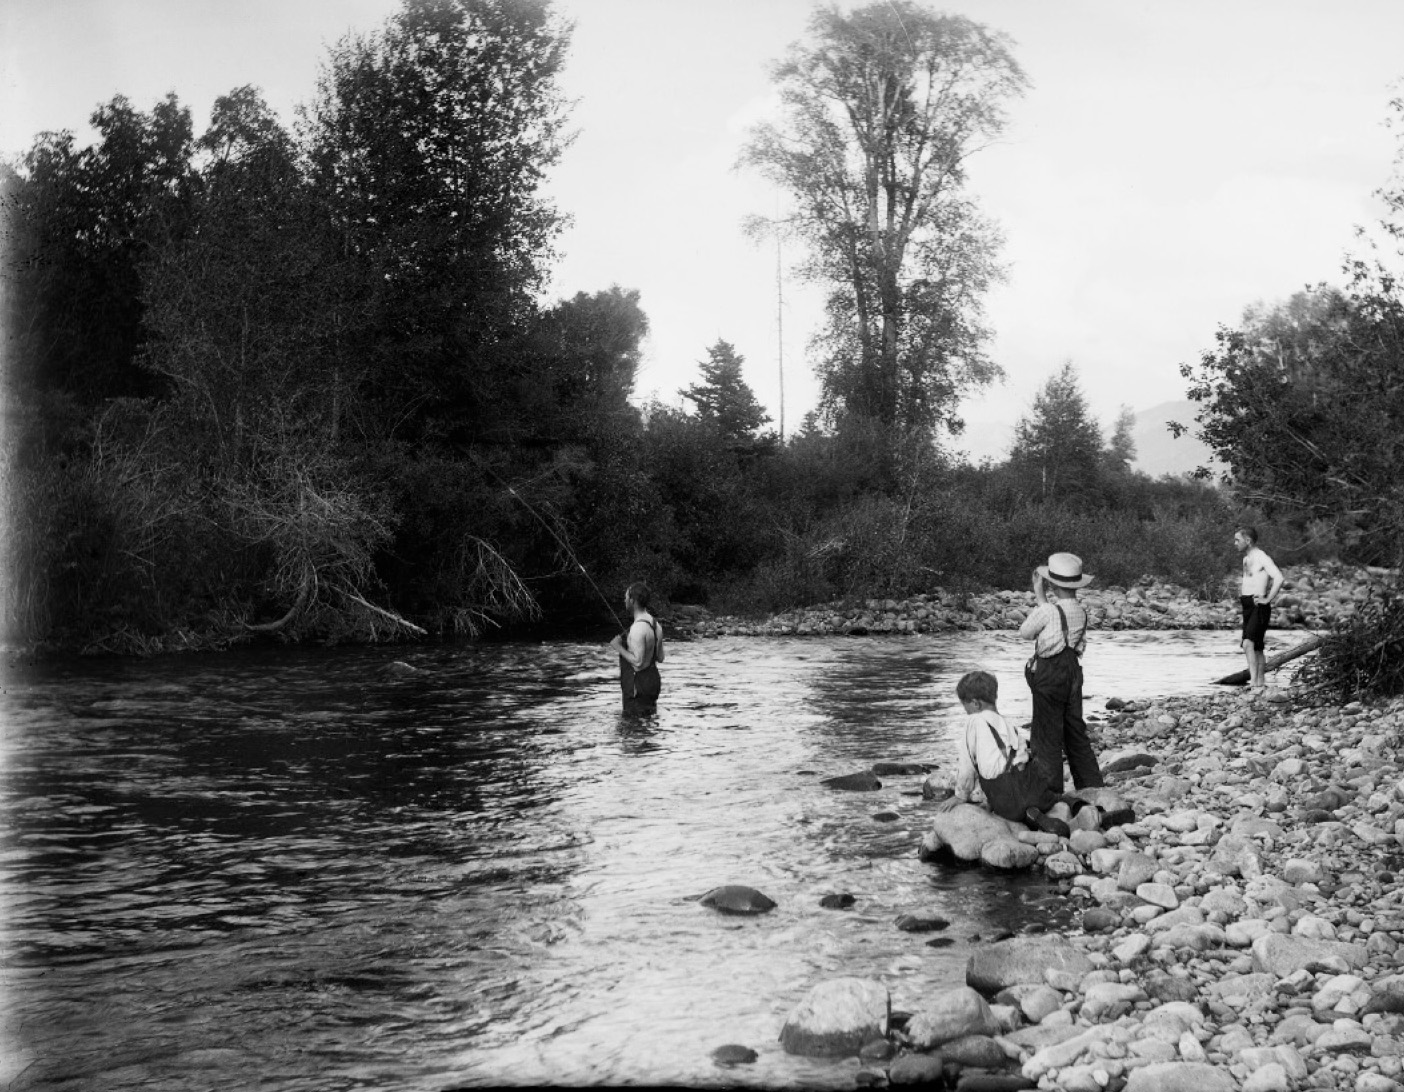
pixel 1255 620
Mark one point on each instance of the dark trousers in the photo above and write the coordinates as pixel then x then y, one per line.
pixel 640 689
pixel 1058 727
pixel 1013 792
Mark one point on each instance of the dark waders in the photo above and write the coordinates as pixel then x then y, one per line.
pixel 640 689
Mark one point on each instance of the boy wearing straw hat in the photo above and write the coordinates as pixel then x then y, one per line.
pixel 1058 628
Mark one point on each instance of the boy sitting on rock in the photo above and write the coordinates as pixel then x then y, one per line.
pixel 992 752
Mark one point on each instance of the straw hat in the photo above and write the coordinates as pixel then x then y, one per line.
pixel 1064 570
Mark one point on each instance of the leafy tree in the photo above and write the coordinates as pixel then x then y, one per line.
pixel 429 142
pixel 883 107
pixel 1121 448
pixel 1304 403
pixel 586 352
pixel 717 523
pixel 724 397
pixel 242 311
pixel 1058 444
pixel 80 221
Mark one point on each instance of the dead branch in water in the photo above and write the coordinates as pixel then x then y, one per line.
pixel 1239 678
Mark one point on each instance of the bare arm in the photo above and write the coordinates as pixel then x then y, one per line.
pixel 965 773
pixel 628 653
pixel 1275 579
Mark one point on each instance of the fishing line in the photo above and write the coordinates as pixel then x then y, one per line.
pixel 564 545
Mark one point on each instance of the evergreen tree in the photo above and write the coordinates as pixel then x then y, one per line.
pixel 723 397
pixel 1121 448
pixel 1057 446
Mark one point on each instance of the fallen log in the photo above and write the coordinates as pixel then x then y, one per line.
pixel 1239 678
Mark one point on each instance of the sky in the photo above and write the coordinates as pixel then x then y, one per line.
pixel 1171 164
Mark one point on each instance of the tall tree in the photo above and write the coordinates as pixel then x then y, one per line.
pixel 430 142
pixel 81 222
pixel 1058 444
pixel 724 397
pixel 586 351
pixel 883 107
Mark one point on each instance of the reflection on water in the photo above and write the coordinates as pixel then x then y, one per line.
pixel 296 870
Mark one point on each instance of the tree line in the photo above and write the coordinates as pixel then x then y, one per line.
pixel 300 382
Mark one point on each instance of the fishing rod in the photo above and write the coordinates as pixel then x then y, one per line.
pixel 564 545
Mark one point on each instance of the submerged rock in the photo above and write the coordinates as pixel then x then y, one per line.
pixel 922 922
pixel 837 902
pixel 734 1054
pixel 864 781
pixel 901 769
pixel 737 899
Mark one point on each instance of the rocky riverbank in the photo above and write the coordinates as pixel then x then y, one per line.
pixel 1244 932
pixel 1314 597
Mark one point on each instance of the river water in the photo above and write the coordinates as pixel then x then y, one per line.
pixel 294 869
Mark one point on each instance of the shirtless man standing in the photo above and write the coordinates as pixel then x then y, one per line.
pixel 1260 584
pixel 640 651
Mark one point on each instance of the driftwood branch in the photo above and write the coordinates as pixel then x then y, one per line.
pixel 394 619
pixel 1238 678
pixel 299 604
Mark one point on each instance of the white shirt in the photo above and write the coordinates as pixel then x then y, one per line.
pixel 977 750
pixel 1043 626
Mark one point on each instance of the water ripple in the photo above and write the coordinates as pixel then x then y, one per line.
pixel 294 870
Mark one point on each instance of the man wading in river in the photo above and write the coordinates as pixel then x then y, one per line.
pixel 639 680
pixel 1258 587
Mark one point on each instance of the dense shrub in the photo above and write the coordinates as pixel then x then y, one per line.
pixel 1364 656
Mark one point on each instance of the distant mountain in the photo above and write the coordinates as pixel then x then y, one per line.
pixel 1158 452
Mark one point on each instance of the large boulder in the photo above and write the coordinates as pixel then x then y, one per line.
pixel 1282 955
pixel 975 1051
pixel 837 1017
pixel 948 1015
pixel 916 1069
pixel 1387 995
pixel 1008 854
pixel 1235 855
pixel 1106 800
pixel 1180 1077
pixel 962 833
pixel 994 967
